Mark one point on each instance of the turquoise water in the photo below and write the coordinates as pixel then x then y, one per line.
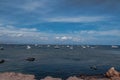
pixel 62 62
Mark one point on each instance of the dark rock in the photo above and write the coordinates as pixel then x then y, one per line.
pixel 1 48
pixel 30 59
pixel 2 61
pixel 93 68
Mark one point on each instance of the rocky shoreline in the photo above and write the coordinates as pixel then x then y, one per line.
pixel 111 74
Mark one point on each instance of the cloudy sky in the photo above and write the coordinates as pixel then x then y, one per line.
pixel 60 21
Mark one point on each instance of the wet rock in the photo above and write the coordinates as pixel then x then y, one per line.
pixel 74 78
pixel 51 78
pixel 93 67
pixel 15 76
pixel 2 61
pixel 1 48
pixel 112 73
pixel 30 59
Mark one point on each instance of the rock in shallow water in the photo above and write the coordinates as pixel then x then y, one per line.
pixel 1 48
pixel 30 59
pixel 2 61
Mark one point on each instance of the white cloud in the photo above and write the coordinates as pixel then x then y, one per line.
pixel 57 37
pixel 99 33
pixel 77 19
pixel 76 39
pixel 28 29
pixel 64 38
pixel 33 35
pixel 31 5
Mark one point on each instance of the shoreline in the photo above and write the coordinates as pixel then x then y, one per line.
pixel 111 74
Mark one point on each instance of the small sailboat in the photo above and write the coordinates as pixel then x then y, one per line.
pixel 28 47
pixel 48 45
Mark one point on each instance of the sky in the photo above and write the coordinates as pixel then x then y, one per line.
pixel 95 22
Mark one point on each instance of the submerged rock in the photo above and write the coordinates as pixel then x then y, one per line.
pixel 93 67
pixel 1 48
pixel 112 73
pixel 15 76
pixel 30 59
pixel 2 61
pixel 51 78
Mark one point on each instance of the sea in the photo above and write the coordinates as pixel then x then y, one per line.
pixel 59 60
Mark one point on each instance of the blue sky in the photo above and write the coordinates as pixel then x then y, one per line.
pixel 60 21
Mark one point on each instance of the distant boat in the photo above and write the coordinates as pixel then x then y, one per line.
pixel 83 47
pixel 40 46
pixel 56 47
pixel 36 45
pixel 93 47
pixel 71 47
pixel 28 47
pixel 113 46
pixel 88 46
pixel 67 46
pixel 48 45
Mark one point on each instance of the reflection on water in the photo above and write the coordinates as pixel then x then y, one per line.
pixel 60 62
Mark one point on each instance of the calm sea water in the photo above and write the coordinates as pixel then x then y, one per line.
pixel 62 62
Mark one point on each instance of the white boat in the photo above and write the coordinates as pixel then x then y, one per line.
pixel 36 45
pixel 48 45
pixel 28 47
pixel 67 46
pixel 56 47
pixel 113 46
pixel 83 47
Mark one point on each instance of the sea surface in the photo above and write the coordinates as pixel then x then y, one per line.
pixel 63 61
